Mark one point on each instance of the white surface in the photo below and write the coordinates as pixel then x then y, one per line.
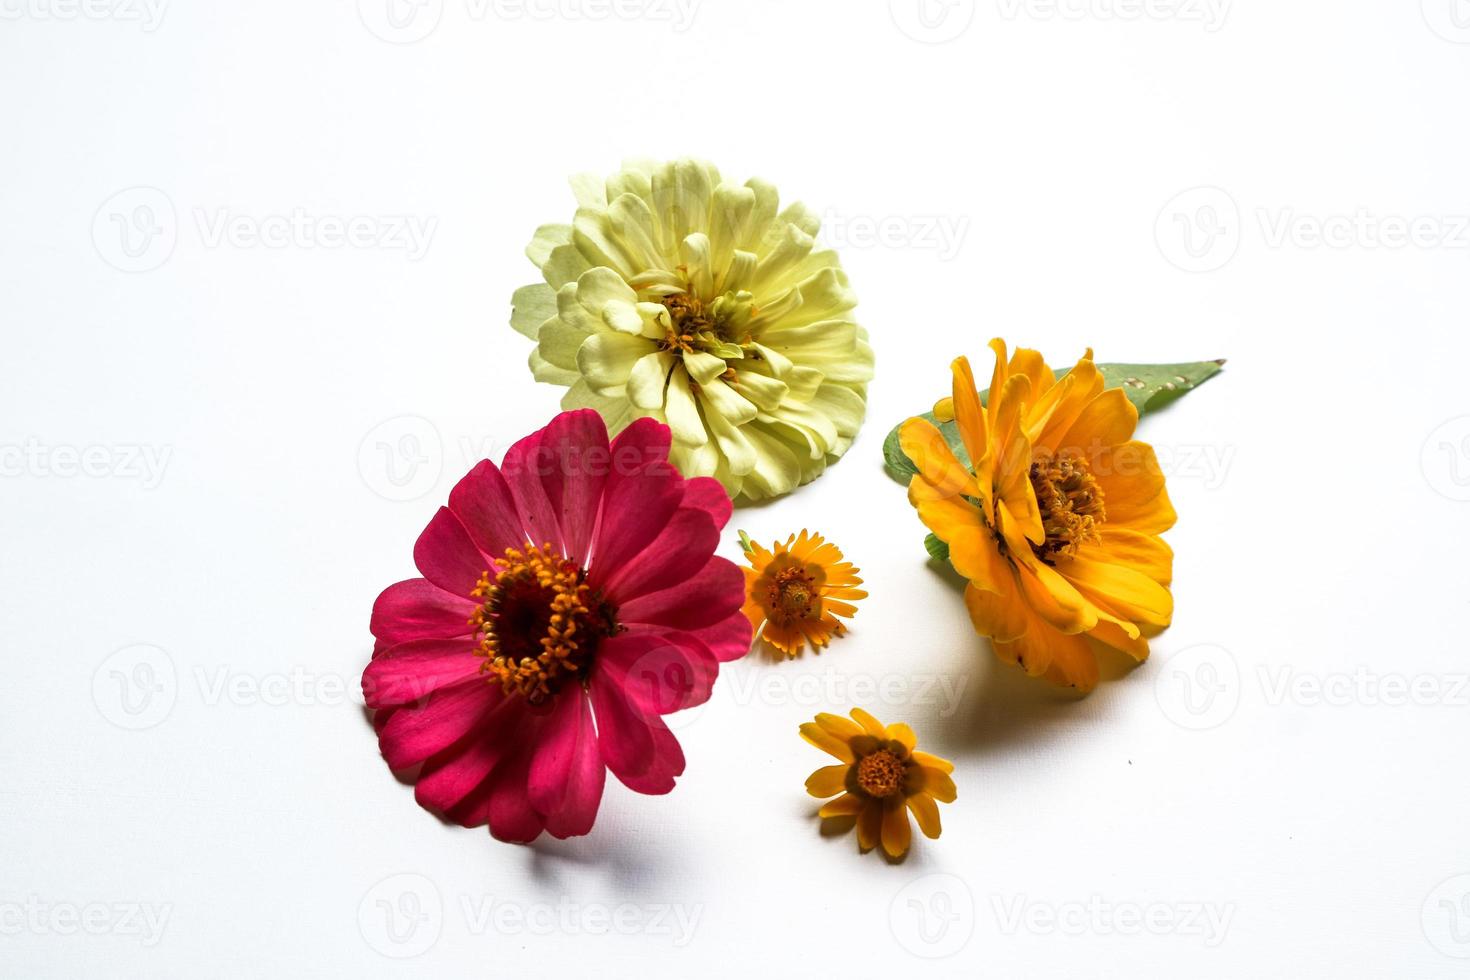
pixel 1316 484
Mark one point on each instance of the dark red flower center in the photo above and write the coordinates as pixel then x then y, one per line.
pixel 539 622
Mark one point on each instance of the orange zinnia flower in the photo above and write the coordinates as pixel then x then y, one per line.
pixel 797 590
pixel 882 777
pixel 1054 519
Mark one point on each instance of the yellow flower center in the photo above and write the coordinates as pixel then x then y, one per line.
pixel 880 774
pixel 718 326
pixel 1071 503
pixel 791 595
pixel 687 321
pixel 539 622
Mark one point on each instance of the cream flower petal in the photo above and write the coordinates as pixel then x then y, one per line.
pixel 647 381
pixel 682 413
pixel 606 360
pixel 531 306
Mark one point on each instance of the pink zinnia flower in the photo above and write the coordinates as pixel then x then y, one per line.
pixel 569 599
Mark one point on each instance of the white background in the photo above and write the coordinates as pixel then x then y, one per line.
pixel 1280 791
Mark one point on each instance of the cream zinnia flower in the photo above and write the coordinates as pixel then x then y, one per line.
pixel 681 296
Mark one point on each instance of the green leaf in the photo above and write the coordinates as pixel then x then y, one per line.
pixel 937 549
pixel 1152 386
pixel 898 465
pixel 745 544
pixel 1148 386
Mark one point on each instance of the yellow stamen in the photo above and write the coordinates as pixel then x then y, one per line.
pixel 880 774
pixel 687 318
pixel 1071 503
pixel 790 595
pixel 539 621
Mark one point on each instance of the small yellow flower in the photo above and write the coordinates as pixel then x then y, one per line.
pixel 882 777
pixel 1054 518
pixel 797 590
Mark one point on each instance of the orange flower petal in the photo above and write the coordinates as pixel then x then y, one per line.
pixel 828 743
pixel 869 825
pixel 1133 488
pixel 1002 617
pixel 938 784
pixel 1113 634
pixel 940 474
pixel 839 726
pixel 846 805
pixel 1124 590
pixel 968 415
pixel 1107 420
pixel 1073 664
pixel 1030 363
pixel 1054 598
pixel 932 761
pixel 903 734
pixel 827 781
pixel 926 813
pixel 871 725
pixel 1055 411
pixel 1147 553
pixel 896 830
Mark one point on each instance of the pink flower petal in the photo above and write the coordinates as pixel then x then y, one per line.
pixel 522 468
pixel 668 762
pixel 642 493
pixel 714 593
pixel 512 818
pixel 567 773
pixel 585 779
pixel 450 777
pixel 644 441
pixel 520 732
pixel 576 460
pixel 706 494
pixel 624 737
pixel 551 757
pixel 659 672
pixel 414 734
pixel 415 610
pixel 484 505
pixel 413 670
pixel 729 639
pixel 447 557
pixel 679 551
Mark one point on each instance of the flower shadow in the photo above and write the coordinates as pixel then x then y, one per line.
pixel 630 865
pixel 838 829
pixel 1007 708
